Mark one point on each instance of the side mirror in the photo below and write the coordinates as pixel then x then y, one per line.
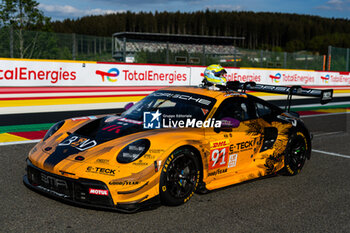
pixel 128 105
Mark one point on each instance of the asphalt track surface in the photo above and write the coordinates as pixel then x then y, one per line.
pixel 316 200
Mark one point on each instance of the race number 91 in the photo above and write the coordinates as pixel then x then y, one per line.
pixel 218 158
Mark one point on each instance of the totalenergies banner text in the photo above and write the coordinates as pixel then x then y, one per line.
pixel 52 73
pixel 279 77
pixel 14 72
pixel 142 75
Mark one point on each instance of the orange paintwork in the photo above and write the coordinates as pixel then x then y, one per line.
pixel 227 157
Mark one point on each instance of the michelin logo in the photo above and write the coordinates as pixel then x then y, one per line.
pixel 151 120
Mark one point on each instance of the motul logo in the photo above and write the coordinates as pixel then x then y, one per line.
pixel 100 192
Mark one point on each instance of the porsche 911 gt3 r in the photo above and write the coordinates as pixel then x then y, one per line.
pixel 174 142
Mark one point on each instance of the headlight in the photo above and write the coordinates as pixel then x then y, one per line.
pixel 53 130
pixel 133 151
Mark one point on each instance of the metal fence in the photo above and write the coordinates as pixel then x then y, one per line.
pixel 152 52
pixel 48 45
pixel 339 59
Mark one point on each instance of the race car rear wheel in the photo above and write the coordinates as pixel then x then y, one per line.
pixel 296 154
pixel 180 177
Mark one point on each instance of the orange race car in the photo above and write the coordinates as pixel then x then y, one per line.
pixel 174 142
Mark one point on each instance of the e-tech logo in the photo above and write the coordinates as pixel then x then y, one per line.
pixel 111 75
pixel 325 79
pixel 151 120
pixel 276 78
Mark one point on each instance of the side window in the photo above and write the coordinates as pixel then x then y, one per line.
pixel 262 110
pixel 235 107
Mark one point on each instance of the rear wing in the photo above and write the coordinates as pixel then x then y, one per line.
pixel 324 95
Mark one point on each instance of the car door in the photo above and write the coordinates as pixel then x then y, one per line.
pixel 231 150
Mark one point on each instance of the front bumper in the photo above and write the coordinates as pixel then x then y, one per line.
pixel 77 191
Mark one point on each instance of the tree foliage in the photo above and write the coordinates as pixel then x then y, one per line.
pixel 21 16
pixel 291 32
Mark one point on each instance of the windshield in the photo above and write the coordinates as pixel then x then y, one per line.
pixel 179 105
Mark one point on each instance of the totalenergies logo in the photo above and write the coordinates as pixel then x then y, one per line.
pixel 111 75
pixel 325 79
pixel 276 78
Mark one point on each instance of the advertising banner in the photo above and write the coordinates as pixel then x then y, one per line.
pixel 39 73
pixel 140 75
pixel 50 73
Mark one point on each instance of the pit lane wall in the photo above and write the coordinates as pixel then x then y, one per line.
pixel 52 85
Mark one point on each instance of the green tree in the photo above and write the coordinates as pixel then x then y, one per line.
pixel 21 15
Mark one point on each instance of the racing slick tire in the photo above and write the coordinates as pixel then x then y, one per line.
pixel 296 154
pixel 180 177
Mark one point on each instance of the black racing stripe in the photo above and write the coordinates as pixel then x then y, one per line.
pixel 61 153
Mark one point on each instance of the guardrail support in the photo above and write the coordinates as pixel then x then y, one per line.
pixel 74 47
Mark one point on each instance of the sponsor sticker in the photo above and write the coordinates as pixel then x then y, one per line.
pixel 100 192
pixel 232 161
pixel 79 143
pixel 218 154
pixel 123 183
pixel 101 170
pixel 243 146
pixel 217 172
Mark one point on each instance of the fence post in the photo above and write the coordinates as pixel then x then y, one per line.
pixel 88 46
pixel 285 60
pixel 347 59
pixel 167 52
pixel 234 57
pixel 99 45
pixel 81 44
pixel 95 46
pixel 73 47
pixel 329 57
pixel 306 61
pixel 112 46
pixel 11 42
pixel 204 57
pixel 124 49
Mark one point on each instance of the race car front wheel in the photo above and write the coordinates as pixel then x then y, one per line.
pixel 179 178
pixel 296 154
